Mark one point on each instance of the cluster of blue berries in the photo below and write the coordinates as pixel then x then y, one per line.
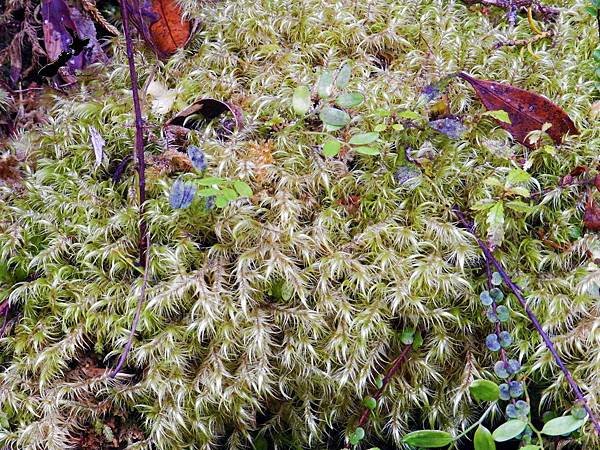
pixel 511 390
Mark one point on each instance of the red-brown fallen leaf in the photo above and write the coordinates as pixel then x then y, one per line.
pixel 161 24
pixel 527 111
pixel 591 216
pixel 170 32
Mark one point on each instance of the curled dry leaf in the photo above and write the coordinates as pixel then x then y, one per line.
pixel 62 26
pixel 161 24
pixel 527 111
pixel 205 110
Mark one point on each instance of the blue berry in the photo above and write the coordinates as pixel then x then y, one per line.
pixel 513 366
pixel 497 295
pixel 486 298
pixel 522 408
pixel 504 392
pixel 503 313
pixel 515 389
pixel 491 341
pixel 511 411
pixel 496 279
pixel 505 339
pixel 491 315
pixel 501 369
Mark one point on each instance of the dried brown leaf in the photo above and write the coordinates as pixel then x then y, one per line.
pixel 527 111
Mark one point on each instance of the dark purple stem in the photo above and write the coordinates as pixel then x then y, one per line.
pixel 394 367
pixel 516 290
pixel 5 321
pixel 141 168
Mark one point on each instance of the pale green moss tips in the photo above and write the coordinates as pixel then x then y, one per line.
pixel 221 353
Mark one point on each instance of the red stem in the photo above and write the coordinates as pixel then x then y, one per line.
pixel 395 366
pixel 516 290
pixel 141 168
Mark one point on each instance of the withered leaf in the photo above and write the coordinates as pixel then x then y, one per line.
pixel 208 109
pixel 527 111
pixel 161 24
pixel 591 216
pixel 69 39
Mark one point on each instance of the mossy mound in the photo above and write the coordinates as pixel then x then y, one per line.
pixel 222 353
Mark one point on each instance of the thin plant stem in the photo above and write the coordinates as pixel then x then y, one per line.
pixel 134 324
pixel 144 240
pixel 479 422
pixel 394 367
pixel 516 290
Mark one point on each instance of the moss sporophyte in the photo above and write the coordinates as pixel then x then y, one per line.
pixel 296 261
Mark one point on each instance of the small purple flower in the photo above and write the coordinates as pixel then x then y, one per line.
pixel 182 194
pixel 513 366
pixel 431 92
pixel 515 389
pixel 197 157
pixel 504 391
pixel 451 127
pixel 505 339
pixel 501 369
pixel 491 341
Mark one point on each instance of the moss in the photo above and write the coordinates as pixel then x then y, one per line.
pixel 217 358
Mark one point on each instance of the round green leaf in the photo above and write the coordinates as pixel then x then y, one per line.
pixel 350 100
pixel 221 202
pixel 367 150
pixel 483 439
pixel 210 181
pixel 484 390
pixel 428 438
pixel 359 433
pixel 242 188
pixel 370 403
pixel 229 194
pixel 379 382
pixel 335 117
pixel 343 77
pixel 207 192
pixel 325 84
pixel 562 425
pixel 417 341
pixel 331 147
pixel 509 430
pixel 380 127
pixel 407 336
pixel 301 100
pixel 364 138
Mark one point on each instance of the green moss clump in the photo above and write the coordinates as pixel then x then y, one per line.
pixel 221 354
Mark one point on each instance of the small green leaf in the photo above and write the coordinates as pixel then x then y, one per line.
pixel 229 194
pixel 562 425
pixel 407 335
pixel 509 430
pixel 379 382
pixel 335 117
pixel 208 192
pixel 221 202
pixel 325 84
pixel 370 403
pixel 517 176
pixel 242 188
pixel 483 439
pixel 210 181
pixel 495 221
pixel 349 100
pixel 499 114
pixel 417 341
pixel 343 77
pixel 364 138
pixel 428 438
pixel 484 390
pixel 357 436
pixel 380 127
pixel 301 100
pixel 367 150
pixel 519 206
pixel 398 127
pixel 411 115
pixel 331 147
